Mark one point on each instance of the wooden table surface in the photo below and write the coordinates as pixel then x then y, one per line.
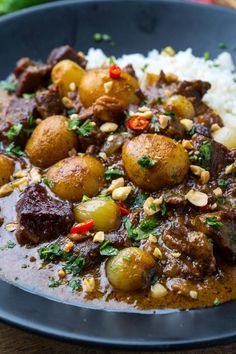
pixel 14 341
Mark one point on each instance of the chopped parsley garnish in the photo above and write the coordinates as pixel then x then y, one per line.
pixel 145 227
pixel 222 45
pixel 221 200
pixel 47 181
pixel 217 302
pixel 169 114
pixel 155 123
pixel 73 263
pixel 205 150
pixel 146 162
pixel 54 283
pixel 8 86
pixel 144 67
pixel 14 150
pixel 85 198
pixel 163 209
pixel 212 221
pixel 29 95
pixel 193 130
pixel 159 100
pixel 112 60
pixel 84 129
pixel 99 37
pixel 107 250
pixel 31 125
pixel 14 131
pixel 206 55
pixel 74 284
pixel 10 244
pixel 111 172
pixel 223 183
pixel 136 201
pixel 51 252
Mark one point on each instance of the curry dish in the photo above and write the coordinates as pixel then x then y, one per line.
pixel 113 191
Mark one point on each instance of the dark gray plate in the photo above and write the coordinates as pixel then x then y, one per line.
pixel 135 26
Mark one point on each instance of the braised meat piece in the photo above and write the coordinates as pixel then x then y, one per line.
pixel 41 217
pixel 66 52
pixel 22 65
pixel 32 78
pixel 49 103
pixel 18 111
pixel 221 228
pixel 195 89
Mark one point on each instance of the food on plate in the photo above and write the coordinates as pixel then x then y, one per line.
pixel 118 178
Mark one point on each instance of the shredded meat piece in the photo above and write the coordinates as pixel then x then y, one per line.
pixel 66 52
pixel 49 103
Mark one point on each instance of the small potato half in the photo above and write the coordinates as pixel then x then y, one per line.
pixel 131 269
pixel 76 176
pixel 182 106
pixel 50 142
pixel 104 212
pixel 97 83
pixel 64 73
pixel 6 169
pixel 171 166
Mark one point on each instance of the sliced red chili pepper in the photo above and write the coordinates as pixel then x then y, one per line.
pixel 205 208
pixel 82 227
pixel 123 211
pixel 137 123
pixel 114 71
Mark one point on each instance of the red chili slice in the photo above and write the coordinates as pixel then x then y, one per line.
pixel 123 211
pixel 137 123
pixel 82 227
pixel 114 71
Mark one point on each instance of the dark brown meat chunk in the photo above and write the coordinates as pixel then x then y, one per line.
pixel 41 217
pixel 219 155
pixel 33 78
pixel 66 52
pixel 130 70
pixel 18 112
pixel 222 234
pixel 22 65
pixel 95 138
pixel 49 103
pixel 195 89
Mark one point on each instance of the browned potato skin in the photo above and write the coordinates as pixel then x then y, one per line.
pixel 50 142
pixel 76 176
pixel 92 87
pixel 181 106
pixel 172 161
pixel 6 169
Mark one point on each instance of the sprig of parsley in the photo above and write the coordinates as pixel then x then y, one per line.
pixel 144 229
pixel 84 129
pixel 111 172
pixel 107 250
pixel 212 221
pixel 146 162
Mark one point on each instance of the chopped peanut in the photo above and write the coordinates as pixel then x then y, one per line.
pixel 229 169
pixel 88 284
pixel 158 291
pixel 176 254
pixel 152 239
pixel 215 127
pixel 152 206
pixel 218 192
pixel 163 120
pixel 168 51
pixel 108 127
pixel 187 144
pixel 157 253
pixel 68 246
pixel 121 193
pixel 99 237
pixel 196 198
pixel 205 177
pixel 67 102
pixel 193 294
pixel 116 183
pixel 11 227
pixel 108 86
pixel 61 273
pixel 187 124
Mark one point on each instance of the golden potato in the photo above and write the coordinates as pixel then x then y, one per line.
pixel 131 269
pixel 166 161
pixel 50 142
pixel 104 212
pixel 181 106
pixel 64 73
pixel 76 176
pixel 97 83
pixel 6 169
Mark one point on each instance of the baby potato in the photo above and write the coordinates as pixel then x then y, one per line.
pixel 97 82
pixel 131 269
pixel 6 169
pixel 50 142
pixel 181 106
pixel 226 136
pixel 104 212
pixel 64 73
pixel 169 161
pixel 76 176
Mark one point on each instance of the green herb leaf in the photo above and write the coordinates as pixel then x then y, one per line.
pixel 8 86
pixel 212 221
pixel 73 263
pixel 163 209
pixel 29 95
pixel 14 131
pixel 193 130
pixel 143 230
pixel 222 45
pixel 206 56
pixel 107 250
pixel 146 162
pixel 169 114
pixel 75 284
pixel 14 150
pixel 136 201
pixel 144 67
pixel 47 181
pixel 217 302
pixel 85 198
pixel 111 172
pixel 86 128
pixel 112 60
pixel 54 283
pixel 223 183
pixel 51 252
pixel 10 244
pixel 205 154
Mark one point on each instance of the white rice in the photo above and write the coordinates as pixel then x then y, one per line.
pixel 220 72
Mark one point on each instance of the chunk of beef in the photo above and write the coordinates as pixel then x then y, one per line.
pixel 41 217
pixel 195 89
pixel 49 103
pixel 219 154
pixel 66 52
pixel 32 78
pixel 90 250
pixel 221 228
pixel 95 138
pixel 18 111
pixel 22 65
